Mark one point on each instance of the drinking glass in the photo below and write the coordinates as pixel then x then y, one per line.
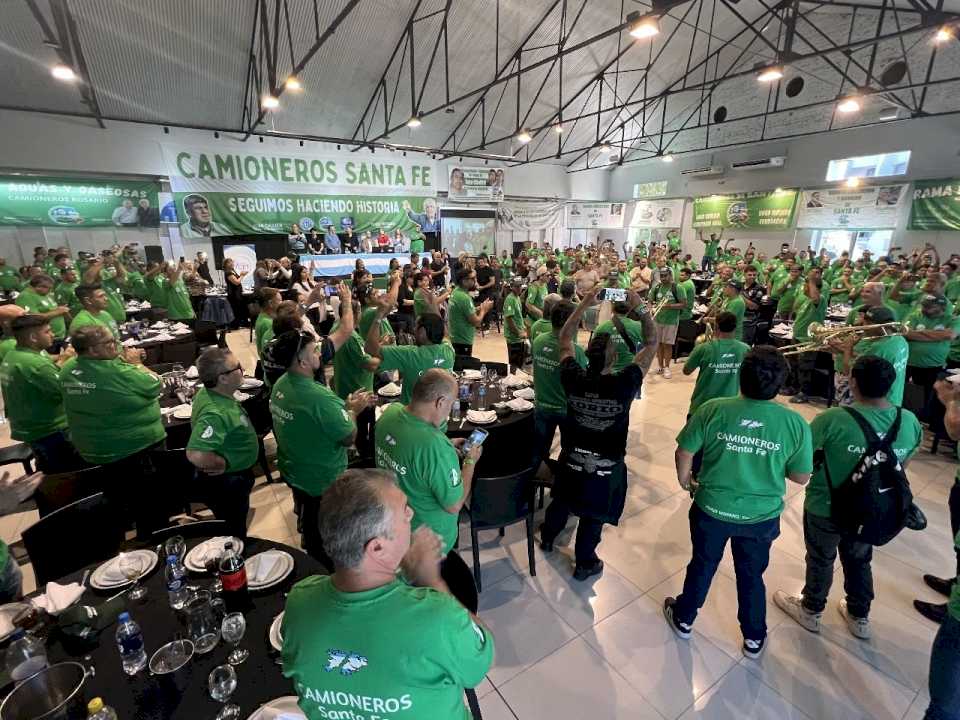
pixel 234 626
pixel 221 683
pixel 212 565
pixel 132 567
pixel 175 546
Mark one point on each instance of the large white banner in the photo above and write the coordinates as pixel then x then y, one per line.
pixel 475 184
pixel 851 208
pixel 657 213
pixel 244 261
pixel 595 215
pixel 521 216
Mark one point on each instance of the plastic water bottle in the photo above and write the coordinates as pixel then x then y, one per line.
pixel 455 411
pixel 483 373
pixel 175 575
pixel 482 396
pixel 464 398
pixel 96 710
pixel 25 656
pixel 130 642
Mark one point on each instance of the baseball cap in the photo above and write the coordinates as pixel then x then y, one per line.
pixel 934 300
pixel 735 284
pixel 279 353
pixel 877 315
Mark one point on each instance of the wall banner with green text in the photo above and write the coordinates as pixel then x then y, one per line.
pixel 238 190
pixel 750 211
pixel 72 202
pixel 936 205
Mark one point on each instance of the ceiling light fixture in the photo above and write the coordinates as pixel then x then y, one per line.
pixel 643 26
pixel 270 102
pixel 667 158
pixel 524 136
pixel 853 182
pixel 558 128
pixel 63 72
pixel 943 35
pixel 293 84
pixel 849 104
pixel 605 148
pixel 414 122
pixel 887 117
pixel 770 73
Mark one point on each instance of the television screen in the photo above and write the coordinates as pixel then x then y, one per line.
pixel 469 231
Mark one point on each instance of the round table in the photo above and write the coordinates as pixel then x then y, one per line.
pixel 142 696
pixel 178 431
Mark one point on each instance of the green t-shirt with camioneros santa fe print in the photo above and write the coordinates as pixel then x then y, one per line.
pixel 718 363
pixel 310 424
pixel 393 653
pixel 427 468
pixel 895 351
pixel 32 394
pixel 112 408
pixel 549 393
pixel 512 309
pixel 843 444
pixel 749 446
pixel 459 309
pixel 219 425
pixel 412 361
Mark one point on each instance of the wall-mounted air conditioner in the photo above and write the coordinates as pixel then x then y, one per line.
pixel 708 171
pixel 763 164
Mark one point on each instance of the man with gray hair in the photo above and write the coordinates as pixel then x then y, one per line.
pixel 223 444
pixel 871 296
pixel 395 645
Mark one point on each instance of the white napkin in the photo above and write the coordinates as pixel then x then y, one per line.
pixel 112 574
pixel 240 397
pixel 520 374
pixel 185 331
pixel 520 405
pixel 184 409
pixel 513 381
pixel 391 389
pixel 212 546
pixel 6 624
pixel 145 305
pixel 180 326
pixel 58 597
pixel 525 393
pixel 192 372
pixel 162 337
pixel 259 567
pixel 481 416
pixel 130 342
pixel 159 324
pixel 471 374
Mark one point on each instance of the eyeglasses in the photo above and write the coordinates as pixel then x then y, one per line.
pixel 238 367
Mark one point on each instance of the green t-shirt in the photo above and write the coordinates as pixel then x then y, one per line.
pixel 536 294
pixel 738 307
pixel 952 289
pixel 9 279
pixel 549 393
pixel 841 439
pixel 32 302
pixel 416 245
pixel 540 327
pixel 459 308
pixel 65 294
pixel 262 332
pixel 349 366
pixel 930 354
pixel 710 248
pixel 6 346
pixel 396 652
pixel 668 316
pixel 102 318
pixel 893 349
pixel 219 425
pixel 32 395
pixel 512 309
pixel 786 293
pixel 719 365
pixel 310 424
pixel 749 446
pixel 690 297
pixel 414 360
pixel 806 312
pixel 115 305
pixel 178 301
pixel 366 320
pixel 427 469
pixel 112 408
pixel 156 290
pixel 857 309
pixel 634 330
pixel 421 305
pixel 135 284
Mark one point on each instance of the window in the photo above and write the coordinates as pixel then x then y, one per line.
pixel 853 242
pixel 869 166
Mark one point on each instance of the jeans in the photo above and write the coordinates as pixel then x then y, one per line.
pixel 126 487
pixel 228 496
pixel 11 581
pixel 365 422
pixel 751 555
pixel 925 377
pixel 802 370
pixel 823 540
pixel 461 349
pixel 945 673
pixel 56 454
pixel 516 353
pixel 545 426
pixel 588 531
pixel 706 263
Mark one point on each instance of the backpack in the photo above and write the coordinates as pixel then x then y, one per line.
pixel 872 505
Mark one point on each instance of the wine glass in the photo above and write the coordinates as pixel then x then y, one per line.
pixel 221 682
pixel 234 626
pixel 175 545
pixel 131 565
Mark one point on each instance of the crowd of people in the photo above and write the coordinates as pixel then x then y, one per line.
pixel 387 527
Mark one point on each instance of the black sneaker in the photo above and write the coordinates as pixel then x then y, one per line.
pixel 545 545
pixel 753 648
pixel 798 398
pixel 940 585
pixel 931 611
pixel 681 630
pixel 582 572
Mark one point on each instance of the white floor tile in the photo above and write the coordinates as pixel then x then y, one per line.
pixel 742 695
pixel 494 708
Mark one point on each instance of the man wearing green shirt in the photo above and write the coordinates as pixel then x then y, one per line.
pixel 839 438
pixel 462 317
pixel 626 349
pixel 873 343
pixel 93 300
pixel 33 398
pixel 353 370
pixel 426 462
pixel 689 293
pixel 750 443
pixel 270 299
pixel 536 293
pixel 223 445
pixel 65 292
pixel 709 250
pixel 718 363
pixel 931 330
pixel 514 329
pixel 9 277
pixel 394 636
pixel 667 320
pixel 784 290
pixel 38 299
pixel 809 307
pixel 178 303
pixel 733 303
pixel 313 428
pixel 110 274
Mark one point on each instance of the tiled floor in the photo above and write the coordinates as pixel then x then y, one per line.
pixel 601 649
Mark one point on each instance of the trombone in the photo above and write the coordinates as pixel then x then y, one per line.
pixel 708 320
pixel 655 310
pixel 821 336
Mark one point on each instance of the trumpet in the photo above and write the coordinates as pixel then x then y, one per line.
pixel 821 336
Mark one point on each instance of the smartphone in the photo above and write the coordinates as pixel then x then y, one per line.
pixel 615 294
pixel 330 290
pixel 476 438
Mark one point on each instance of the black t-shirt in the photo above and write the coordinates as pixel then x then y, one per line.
pixel 484 275
pixel 440 280
pixel 754 294
pixel 598 408
pixel 404 294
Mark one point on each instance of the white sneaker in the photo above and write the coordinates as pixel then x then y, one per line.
pixel 860 627
pixel 659 371
pixel 793 606
pixel 667 374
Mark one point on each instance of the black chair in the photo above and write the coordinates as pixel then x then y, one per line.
pixel 687 332
pixel 253 312
pixel 19 453
pixel 497 502
pixel 58 490
pixel 195 529
pixel 914 398
pixel 179 352
pixel 73 537
pixel 172 472
pixel 466 362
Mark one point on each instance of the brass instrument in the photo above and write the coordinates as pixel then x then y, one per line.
pixel 821 336
pixel 654 311
pixel 708 319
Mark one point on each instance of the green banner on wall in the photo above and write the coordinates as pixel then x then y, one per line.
pixel 936 205
pixel 751 211
pixel 70 202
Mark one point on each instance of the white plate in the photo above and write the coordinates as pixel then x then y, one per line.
pixel 98 582
pixel 276 639
pixel 11 610
pixel 194 562
pixel 280 572
pixel 183 413
pixel 251 384
pixel 387 391
pixel 284 708
pixel 470 419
